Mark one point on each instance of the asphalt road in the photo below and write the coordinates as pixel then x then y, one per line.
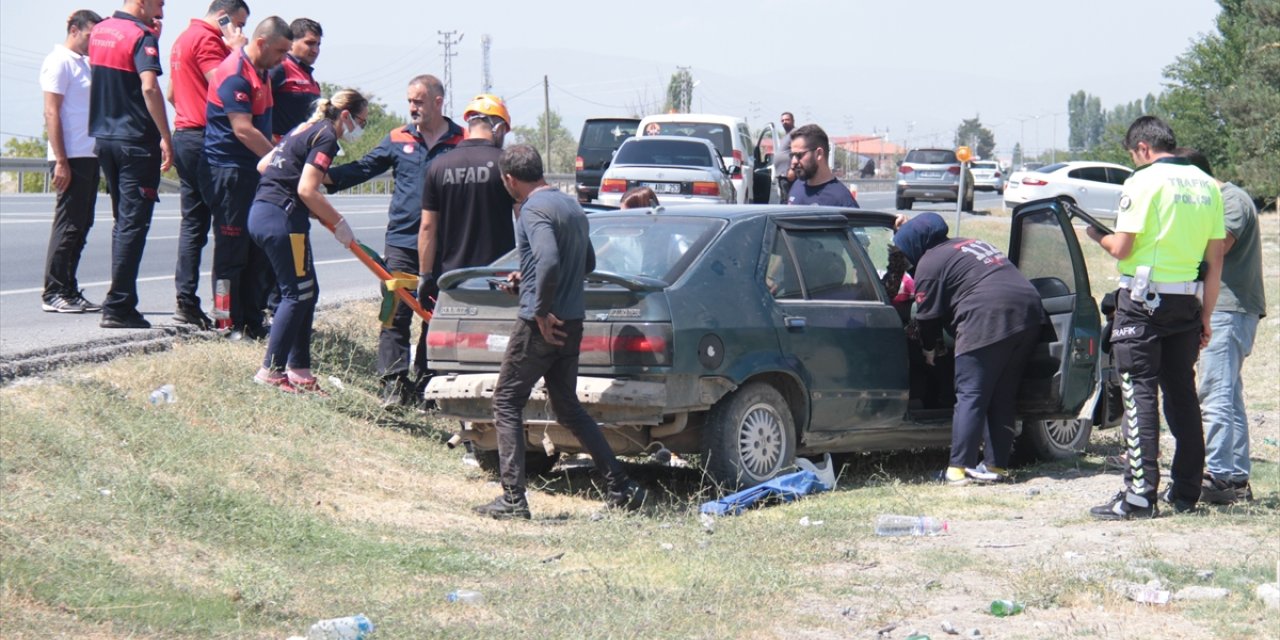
pixel 24 237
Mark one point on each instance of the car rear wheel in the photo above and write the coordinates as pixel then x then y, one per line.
pixel 749 437
pixel 1055 439
pixel 536 463
pixel 904 204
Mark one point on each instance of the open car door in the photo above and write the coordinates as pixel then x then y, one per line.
pixel 763 191
pixel 1063 372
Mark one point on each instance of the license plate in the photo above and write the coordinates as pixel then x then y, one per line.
pixel 931 175
pixel 497 343
pixel 662 187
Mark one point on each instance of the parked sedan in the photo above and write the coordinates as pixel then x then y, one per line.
pixel 1094 186
pixel 987 175
pixel 753 334
pixel 679 169
pixel 932 175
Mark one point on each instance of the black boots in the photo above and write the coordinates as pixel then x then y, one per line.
pixel 511 504
pixel 629 496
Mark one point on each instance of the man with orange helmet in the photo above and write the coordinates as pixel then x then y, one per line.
pixel 466 212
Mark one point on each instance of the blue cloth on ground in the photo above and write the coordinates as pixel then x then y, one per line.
pixel 784 488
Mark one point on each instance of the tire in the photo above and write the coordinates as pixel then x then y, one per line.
pixel 1054 439
pixel 536 463
pixel 968 203
pixel 904 204
pixel 749 437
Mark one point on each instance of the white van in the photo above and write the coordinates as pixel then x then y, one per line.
pixel 750 167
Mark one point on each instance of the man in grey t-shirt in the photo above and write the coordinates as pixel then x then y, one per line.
pixel 1241 303
pixel 553 238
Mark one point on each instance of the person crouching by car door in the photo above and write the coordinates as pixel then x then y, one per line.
pixel 995 314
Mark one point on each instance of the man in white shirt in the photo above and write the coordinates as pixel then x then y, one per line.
pixel 65 78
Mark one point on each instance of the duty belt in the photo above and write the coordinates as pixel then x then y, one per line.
pixel 1168 288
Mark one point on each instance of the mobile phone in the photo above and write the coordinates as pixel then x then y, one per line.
pixel 501 284
pixel 224 23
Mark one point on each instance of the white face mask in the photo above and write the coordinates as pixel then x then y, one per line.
pixel 354 131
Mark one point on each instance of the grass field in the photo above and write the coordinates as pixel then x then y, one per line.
pixel 239 512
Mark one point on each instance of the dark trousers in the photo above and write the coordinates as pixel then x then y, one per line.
pixel 987 381
pixel 393 341
pixel 132 171
pixel 1156 354
pixel 286 242
pixel 193 232
pixel 235 257
pixel 528 358
pixel 72 219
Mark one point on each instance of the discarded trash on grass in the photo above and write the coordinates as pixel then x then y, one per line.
pixel 336 383
pixel 1006 608
pixel 357 627
pixel 806 522
pixel 464 596
pixel 165 394
pixel 891 526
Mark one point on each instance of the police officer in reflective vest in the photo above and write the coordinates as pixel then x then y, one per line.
pixel 1170 222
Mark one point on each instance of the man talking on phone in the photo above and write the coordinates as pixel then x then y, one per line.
pixel 196 53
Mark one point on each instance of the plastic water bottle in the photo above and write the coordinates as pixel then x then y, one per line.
pixel 891 525
pixel 357 627
pixel 465 596
pixel 164 395
pixel 1005 608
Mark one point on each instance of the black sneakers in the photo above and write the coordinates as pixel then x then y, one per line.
pixel 1126 506
pixel 129 322
pixel 1178 504
pixel 1223 492
pixel 397 391
pixel 508 506
pixel 630 496
pixel 192 315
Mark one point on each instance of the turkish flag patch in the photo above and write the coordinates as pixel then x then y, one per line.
pixel 242 96
pixel 323 160
pixel 151 51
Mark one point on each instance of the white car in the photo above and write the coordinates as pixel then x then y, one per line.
pixel 987 175
pixel 731 137
pixel 679 169
pixel 1095 186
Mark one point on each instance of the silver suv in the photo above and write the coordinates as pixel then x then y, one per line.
pixel 932 175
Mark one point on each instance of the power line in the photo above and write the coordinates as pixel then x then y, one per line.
pixel 522 92
pixel 588 101
pixel 20 135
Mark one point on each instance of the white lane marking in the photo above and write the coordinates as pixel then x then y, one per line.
pixel 106 283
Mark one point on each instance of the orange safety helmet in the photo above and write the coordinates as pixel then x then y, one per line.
pixel 487 104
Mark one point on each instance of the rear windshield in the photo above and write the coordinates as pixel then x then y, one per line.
pixel 932 156
pixel 655 246
pixel 985 165
pixel 718 134
pixel 607 134
pixel 664 153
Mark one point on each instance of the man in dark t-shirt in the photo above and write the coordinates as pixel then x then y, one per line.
pixel 815 184
pixel 294 89
pixel 995 314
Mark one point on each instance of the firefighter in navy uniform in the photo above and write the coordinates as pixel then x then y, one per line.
pixel 408 151
pixel 127 119
pixel 294 89
pixel 1170 222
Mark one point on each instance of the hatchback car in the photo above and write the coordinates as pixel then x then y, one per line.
pixel 987 175
pixel 678 169
pixel 932 175
pixel 1095 186
pixel 751 335
pixel 600 139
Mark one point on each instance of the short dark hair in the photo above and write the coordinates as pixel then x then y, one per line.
pixel 302 26
pixel 228 6
pixel 1194 157
pixel 432 84
pixel 521 162
pixel 1154 132
pixel 83 20
pixel 814 137
pixel 639 197
pixel 273 27
pixel 787 113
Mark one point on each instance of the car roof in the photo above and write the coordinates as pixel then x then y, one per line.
pixel 652 139
pixel 743 212
pixel 709 118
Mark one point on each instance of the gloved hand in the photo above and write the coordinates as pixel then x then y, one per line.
pixel 428 290
pixel 342 231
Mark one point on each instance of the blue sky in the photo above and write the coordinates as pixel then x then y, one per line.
pixel 911 69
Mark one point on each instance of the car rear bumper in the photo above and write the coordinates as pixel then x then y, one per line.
pixel 988 183
pixel 938 192
pixel 469 397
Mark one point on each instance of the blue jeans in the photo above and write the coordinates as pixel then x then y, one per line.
pixel 1221 393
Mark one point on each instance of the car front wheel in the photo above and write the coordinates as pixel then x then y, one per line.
pixel 1055 439
pixel 749 437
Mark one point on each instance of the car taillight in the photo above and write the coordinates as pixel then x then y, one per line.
pixel 737 156
pixel 578 164
pixel 953 170
pixel 632 345
pixel 613 185
pixel 905 169
pixel 997 174
pixel 706 189
pixel 1034 182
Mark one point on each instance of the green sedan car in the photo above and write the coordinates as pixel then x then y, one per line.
pixel 749 335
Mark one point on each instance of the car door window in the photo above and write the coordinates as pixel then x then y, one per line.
pixel 1092 174
pixel 780 274
pixel 1116 175
pixel 828 268
pixel 1044 256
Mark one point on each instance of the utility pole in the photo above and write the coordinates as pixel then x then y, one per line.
pixel 486 78
pixel 449 43
pixel 686 89
pixel 546 121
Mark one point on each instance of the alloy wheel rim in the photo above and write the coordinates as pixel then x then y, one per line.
pixel 760 440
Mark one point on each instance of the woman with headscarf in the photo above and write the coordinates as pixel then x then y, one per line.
pixel 995 314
